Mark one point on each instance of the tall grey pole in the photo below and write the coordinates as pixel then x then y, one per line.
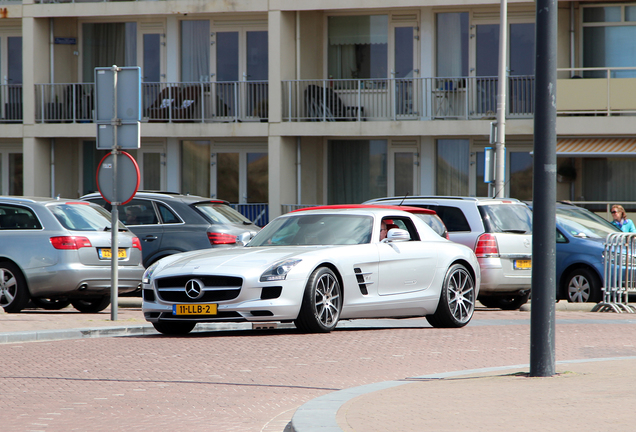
pixel 500 145
pixel 542 325
pixel 114 224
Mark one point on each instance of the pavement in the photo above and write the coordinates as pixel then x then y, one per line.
pixel 594 394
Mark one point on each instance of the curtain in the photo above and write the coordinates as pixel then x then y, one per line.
pixel 107 44
pixel 358 46
pixel 452 44
pixel 608 179
pixel 195 51
pixel 195 168
pixel 452 167
pixel 357 170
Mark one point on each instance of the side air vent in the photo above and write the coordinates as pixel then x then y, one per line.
pixel 361 282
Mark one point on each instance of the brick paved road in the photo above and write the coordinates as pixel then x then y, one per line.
pixel 241 380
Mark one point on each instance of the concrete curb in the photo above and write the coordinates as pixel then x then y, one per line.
pixel 319 414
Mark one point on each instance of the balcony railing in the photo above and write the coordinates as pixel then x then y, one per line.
pixel 404 98
pixel 11 103
pixel 240 101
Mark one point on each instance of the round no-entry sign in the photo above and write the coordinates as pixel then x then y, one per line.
pixel 127 178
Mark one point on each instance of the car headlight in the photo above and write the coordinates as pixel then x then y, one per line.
pixel 148 273
pixel 279 270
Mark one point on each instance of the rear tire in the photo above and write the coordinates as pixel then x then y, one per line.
pixel 322 303
pixel 174 328
pixel 50 304
pixel 456 301
pixel 14 295
pixel 91 305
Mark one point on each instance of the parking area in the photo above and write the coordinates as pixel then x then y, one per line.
pixel 247 380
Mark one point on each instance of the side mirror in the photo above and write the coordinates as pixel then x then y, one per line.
pixel 244 239
pixel 397 235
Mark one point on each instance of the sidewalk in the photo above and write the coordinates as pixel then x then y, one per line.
pixel 591 395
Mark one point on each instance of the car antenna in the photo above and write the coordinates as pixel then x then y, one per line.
pixel 405 195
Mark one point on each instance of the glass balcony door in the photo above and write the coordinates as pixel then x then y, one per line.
pixel 240 61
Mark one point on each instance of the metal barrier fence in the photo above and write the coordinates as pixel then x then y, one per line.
pixel 257 213
pixel 403 98
pixel 620 273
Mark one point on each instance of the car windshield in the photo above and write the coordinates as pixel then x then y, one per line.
pixel 221 213
pixel 315 229
pixel 507 218
pixel 82 217
pixel 583 223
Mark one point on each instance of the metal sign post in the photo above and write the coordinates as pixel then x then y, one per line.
pixel 117 118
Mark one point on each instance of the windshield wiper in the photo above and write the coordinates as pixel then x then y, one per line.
pixel 515 231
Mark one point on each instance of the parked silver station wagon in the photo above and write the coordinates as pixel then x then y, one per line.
pixel 498 230
pixel 57 252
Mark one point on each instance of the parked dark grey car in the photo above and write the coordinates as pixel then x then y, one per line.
pixel 58 251
pixel 169 223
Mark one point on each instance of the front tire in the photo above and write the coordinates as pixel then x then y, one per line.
pixel 14 295
pixel 456 301
pixel 322 303
pixel 582 286
pixel 174 328
pixel 50 304
pixel 91 305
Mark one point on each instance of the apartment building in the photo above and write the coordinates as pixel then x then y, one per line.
pixel 283 103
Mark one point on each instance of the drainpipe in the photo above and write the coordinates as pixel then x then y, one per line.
pixel 52 167
pixel 572 64
pixel 298 165
pixel 52 72
pixel 500 145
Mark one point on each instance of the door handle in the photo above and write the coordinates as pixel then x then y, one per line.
pixel 150 238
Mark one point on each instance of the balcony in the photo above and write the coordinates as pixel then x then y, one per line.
pixel 11 103
pixel 404 99
pixel 242 101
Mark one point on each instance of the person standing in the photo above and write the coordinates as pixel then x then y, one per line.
pixel 620 219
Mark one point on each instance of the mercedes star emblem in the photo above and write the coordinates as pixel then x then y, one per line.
pixel 194 288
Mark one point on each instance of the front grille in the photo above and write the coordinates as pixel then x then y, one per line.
pixel 215 288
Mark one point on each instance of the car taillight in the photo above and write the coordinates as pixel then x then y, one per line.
pixel 136 243
pixel 221 238
pixel 70 242
pixel 487 246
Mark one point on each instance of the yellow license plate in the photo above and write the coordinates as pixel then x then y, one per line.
pixel 194 309
pixel 523 264
pixel 106 253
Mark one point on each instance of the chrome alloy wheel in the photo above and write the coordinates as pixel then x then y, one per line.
pixel 327 300
pixel 461 295
pixel 8 287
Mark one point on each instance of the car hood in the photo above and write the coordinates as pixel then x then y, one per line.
pixel 231 259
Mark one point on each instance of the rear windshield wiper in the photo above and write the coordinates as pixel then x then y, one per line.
pixel 514 231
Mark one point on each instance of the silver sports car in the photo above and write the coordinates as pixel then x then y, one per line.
pixel 315 268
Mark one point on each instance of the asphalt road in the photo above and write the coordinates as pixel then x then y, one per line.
pixel 254 380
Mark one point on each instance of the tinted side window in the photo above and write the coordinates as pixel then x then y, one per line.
pixel 138 212
pixel 14 217
pixel 453 218
pixel 167 216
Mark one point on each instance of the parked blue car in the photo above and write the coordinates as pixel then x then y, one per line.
pixel 580 241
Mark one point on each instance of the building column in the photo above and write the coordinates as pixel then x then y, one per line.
pixel 173 165
pixel 282 173
pixel 36 166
